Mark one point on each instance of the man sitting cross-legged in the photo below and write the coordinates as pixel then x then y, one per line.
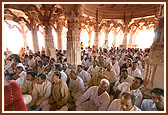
pixel 40 93
pixel 95 98
pixel 60 94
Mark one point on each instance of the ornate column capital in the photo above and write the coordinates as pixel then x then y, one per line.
pixel 72 11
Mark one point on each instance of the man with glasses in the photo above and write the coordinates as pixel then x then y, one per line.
pixel 156 103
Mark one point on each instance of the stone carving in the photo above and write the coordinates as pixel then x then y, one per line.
pixel 73 34
pixel 154 73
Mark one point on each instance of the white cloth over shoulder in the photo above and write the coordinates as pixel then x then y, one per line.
pixel 116 106
pixel 76 88
pixel 92 70
pixel 125 87
pixel 85 76
pixel 22 79
pixel 135 73
pixel 95 103
pixel 63 76
pixel 116 68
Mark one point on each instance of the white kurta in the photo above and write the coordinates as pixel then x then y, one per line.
pixel 22 79
pixel 67 72
pixel 63 76
pixel 76 88
pixel 125 87
pixel 41 93
pixel 40 70
pixel 129 79
pixel 95 103
pixel 135 73
pixel 49 76
pixel 30 64
pixel 92 70
pixel 8 65
pixel 88 63
pixel 85 76
pixel 116 106
pixel 116 68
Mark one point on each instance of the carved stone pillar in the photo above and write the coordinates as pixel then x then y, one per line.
pixel 59 39
pixel 131 37
pixel 90 37
pixel 125 34
pixel 35 40
pixel 154 75
pixel 49 42
pixel 115 34
pixel 73 34
pixel 96 39
pixel 106 35
pixel 23 32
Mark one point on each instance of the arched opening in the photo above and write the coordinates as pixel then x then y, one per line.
pixel 84 38
pixel 12 38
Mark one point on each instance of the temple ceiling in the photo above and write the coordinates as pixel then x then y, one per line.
pixel 107 14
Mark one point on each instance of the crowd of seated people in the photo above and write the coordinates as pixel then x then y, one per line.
pixel 106 80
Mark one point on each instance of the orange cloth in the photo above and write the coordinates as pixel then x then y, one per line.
pixel 42 50
pixel 21 52
pixel 94 54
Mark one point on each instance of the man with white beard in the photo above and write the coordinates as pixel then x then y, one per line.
pixel 98 97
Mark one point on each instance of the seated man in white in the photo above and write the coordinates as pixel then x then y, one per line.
pixel 76 86
pixel 156 103
pixel 115 65
pixel 84 75
pixel 133 88
pixel 40 69
pixel 48 72
pixel 20 76
pixel 40 93
pixel 58 68
pixel 95 98
pixel 67 71
pixel 93 69
pixel 124 77
pixel 134 71
pixel 111 74
pixel 126 103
